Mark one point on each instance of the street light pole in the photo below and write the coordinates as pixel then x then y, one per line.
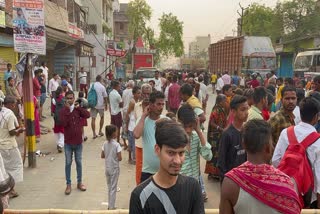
pixel 29 113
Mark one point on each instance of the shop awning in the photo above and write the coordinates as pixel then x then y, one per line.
pixel 59 36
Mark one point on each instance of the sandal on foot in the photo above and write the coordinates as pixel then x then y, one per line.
pixel 100 134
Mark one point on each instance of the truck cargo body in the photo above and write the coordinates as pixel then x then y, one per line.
pixel 247 54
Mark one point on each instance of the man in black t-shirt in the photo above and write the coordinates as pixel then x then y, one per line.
pixel 231 152
pixel 168 192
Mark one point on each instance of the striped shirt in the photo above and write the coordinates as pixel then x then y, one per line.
pixel 191 165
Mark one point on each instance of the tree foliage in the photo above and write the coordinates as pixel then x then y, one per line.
pixel 170 40
pixel 139 13
pixel 289 19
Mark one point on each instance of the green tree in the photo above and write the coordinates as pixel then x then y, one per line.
pixel 300 18
pixel 259 20
pixel 170 40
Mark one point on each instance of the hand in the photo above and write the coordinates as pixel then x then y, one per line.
pixel 196 125
pixel 146 112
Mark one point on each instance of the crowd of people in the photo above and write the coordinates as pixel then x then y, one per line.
pixel 251 147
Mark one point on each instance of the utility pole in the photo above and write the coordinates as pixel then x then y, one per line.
pixel 241 18
pixel 29 113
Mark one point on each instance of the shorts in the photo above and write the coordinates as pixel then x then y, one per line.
pixel 94 112
pixel 83 87
pixel 43 98
pixel 116 120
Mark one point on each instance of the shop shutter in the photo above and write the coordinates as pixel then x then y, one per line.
pixel 63 57
pixel 8 55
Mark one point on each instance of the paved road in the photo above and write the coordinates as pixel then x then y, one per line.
pixel 44 186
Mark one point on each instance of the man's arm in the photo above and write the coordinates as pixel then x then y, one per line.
pixel 228 196
pixel 317 175
pixel 135 204
pixel 138 130
pixel 130 109
pixel 280 149
pixel 83 112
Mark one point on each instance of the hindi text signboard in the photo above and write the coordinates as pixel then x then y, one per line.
pixel 28 26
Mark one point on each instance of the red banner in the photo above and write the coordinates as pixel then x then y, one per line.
pixel 117 53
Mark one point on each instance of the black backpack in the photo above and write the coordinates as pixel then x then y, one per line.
pixel 59 107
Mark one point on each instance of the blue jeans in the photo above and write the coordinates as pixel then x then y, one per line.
pixel 69 149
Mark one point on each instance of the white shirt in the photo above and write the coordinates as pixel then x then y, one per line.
pixel 158 84
pixel 297 117
pixel 115 99
pixel 70 87
pixel 83 77
pixel 126 97
pixel 204 91
pixel 45 71
pixel 8 123
pixel 166 92
pixel 220 84
pixel 53 85
pixel 101 94
pixel 302 130
pixel 226 79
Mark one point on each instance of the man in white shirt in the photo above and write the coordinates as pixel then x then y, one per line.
pixel 102 105
pixel 83 82
pixel 127 96
pixel 204 92
pixel 9 129
pixel 45 71
pixel 116 104
pixel 158 85
pixel 226 78
pixel 220 84
pixel 53 85
pixel 309 108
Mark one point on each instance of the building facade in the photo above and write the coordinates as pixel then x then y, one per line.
pixel 199 47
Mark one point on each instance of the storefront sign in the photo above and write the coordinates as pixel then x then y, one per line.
pixel 113 51
pixel 85 50
pixel 2 19
pixel 28 26
pixel 2 3
pixel 75 32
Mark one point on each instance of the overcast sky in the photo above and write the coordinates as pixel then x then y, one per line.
pixel 201 17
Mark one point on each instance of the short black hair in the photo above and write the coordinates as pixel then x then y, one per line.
pixel 270 97
pixel 9 100
pixel 98 78
pixel 109 130
pixel 220 98
pixel 165 129
pixel 272 89
pixel 186 114
pixel 300 95
pixel 316 79
pixel 9 79
pixel 156 95
pixel 280 79
pixel 309 108
pixel 186 89
pixel 69 92
pixel 289 80
pixel 175 78
pixel 259 94
pixel 286 89
pixel 236 101
pixel 248 93
pixel 58 91
pixel 154 82
pixel 238 91
pixel 256 134
pixel 226 88
pixel 115 83
pixel 135 89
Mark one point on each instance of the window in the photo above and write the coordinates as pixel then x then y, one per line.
pixel 318 60
pixel 121 26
